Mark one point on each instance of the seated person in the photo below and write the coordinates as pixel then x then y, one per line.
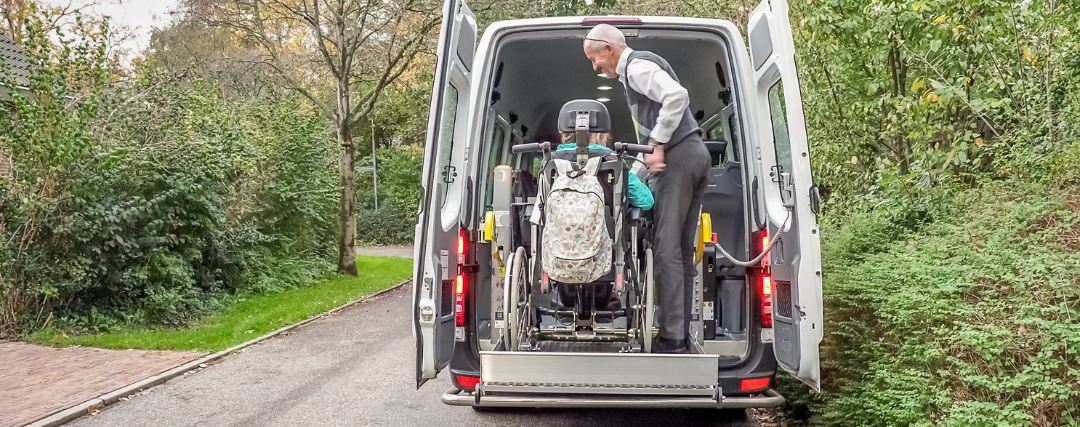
pixel 637 192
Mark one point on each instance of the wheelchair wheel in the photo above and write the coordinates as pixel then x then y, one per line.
pixel 519 310
pixel 650 310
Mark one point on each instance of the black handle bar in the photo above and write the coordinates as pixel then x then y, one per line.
pixel 634 148
pixel 528 148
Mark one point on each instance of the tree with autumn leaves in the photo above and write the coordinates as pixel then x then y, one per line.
pixel 341 55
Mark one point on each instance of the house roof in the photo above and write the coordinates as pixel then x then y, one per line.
pixel 14 59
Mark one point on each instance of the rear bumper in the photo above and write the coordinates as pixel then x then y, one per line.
pixel 462 398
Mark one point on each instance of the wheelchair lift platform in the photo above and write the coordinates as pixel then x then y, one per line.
pixel 601 379
pixel 599 373
pixel 558 379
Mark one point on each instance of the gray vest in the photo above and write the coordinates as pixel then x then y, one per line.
pixel 645 111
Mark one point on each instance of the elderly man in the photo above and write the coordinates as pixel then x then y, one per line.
pixel 660 105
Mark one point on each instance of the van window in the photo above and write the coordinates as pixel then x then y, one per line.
pixel 716 133
pixel 721 132
pixel 536 163
pixel 446 145
pixel 781 142
pixel 494 158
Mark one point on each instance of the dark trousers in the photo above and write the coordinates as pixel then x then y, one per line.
pixel 678 191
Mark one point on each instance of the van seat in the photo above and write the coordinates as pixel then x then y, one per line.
pixel 723 200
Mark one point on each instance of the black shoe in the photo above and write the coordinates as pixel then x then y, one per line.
pixel 664 345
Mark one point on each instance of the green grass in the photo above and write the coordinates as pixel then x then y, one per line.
pixel 250 316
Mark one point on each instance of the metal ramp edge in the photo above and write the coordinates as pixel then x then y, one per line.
pixel 599 373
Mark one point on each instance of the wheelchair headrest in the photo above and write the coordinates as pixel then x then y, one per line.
pixel 599 120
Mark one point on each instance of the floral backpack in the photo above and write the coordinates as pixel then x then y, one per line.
pixel 576 244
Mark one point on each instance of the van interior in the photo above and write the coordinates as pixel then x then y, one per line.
pixel 534 73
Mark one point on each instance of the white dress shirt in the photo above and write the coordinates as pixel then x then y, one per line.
pixel 647 78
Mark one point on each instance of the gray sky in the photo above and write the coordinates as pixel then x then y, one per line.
pixel 139 15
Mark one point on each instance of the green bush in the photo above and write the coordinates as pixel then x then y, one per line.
pixel 219 198
pixel 394 223
pixel 1066 166
pixel 969 320
pixel 150 201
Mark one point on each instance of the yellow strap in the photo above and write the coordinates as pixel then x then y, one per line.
pixel 704 238
pixel 489 235
pixel 498 258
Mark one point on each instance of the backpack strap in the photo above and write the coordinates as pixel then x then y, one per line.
pixel 570 169
pixel 541 195
pixel 562 166
pixel 593 166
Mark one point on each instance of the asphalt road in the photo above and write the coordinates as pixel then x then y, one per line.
pixel 354 368
pixel 396 251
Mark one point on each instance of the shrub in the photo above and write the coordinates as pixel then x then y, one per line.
pixel 969 320
pixel 149 201
pixel 394 223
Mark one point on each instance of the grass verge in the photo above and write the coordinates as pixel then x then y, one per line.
pixel 250 316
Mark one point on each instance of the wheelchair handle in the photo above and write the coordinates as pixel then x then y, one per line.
pixel 634 148
pixel 529 148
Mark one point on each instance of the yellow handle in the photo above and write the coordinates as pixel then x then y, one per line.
pixel 489 226
pixel 704 237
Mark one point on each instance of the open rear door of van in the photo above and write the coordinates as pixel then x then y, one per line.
pixel 791 199
pixel 435 257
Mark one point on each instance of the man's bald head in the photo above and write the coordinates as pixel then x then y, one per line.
pixel 603 46
pixel 604 34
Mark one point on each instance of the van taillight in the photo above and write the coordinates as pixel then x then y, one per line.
pixel 459 300
pixel 764 246
pixel 459 285
pixel 470 382
pixel 765 286
pixel 611 20
pixel 754 384
pixel 461 247
pixel 766 301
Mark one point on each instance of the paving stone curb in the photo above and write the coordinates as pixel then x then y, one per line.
pixel 65 415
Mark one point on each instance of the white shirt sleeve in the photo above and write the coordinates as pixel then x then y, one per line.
pixel 647 78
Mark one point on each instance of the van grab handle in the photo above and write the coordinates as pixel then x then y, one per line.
pixel 529 148
pixel 634 148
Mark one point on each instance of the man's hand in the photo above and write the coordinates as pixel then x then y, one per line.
pixel 655 161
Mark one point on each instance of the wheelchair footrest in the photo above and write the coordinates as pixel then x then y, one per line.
pixel 599 373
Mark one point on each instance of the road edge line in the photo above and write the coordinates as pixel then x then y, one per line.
pixel 65 415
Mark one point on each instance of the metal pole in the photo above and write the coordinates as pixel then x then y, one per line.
pixel 374 166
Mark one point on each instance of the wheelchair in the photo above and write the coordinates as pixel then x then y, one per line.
pixel 612 313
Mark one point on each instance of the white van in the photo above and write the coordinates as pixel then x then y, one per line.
pixel 507 91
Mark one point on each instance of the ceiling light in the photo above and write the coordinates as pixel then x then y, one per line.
pixel 604 88
pixel 602 75
pixel 603 99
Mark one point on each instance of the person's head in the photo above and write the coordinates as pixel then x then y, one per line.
pixel 598 138
pixel 603 46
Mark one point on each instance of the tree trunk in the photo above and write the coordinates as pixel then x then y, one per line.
pixel 347 214
pixel 347 244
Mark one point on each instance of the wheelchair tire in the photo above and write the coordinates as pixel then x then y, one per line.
pixel 518 302
pixel 650 308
